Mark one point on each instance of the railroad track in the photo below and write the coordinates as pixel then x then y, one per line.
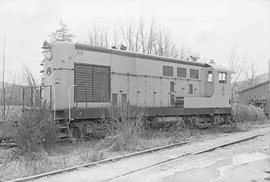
pixel 185 155
pixel 91 164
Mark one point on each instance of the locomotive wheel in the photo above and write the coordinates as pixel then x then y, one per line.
pixel 229 120
pixel 195 121
pixel 218 120
pixel 84 132
pixel 75 132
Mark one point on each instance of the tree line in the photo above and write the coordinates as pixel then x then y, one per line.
pixel 136 36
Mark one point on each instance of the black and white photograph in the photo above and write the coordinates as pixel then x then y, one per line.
pixel 135 90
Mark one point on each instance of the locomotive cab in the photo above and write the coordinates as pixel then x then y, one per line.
pixel 222 81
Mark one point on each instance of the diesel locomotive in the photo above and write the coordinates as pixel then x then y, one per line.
pixel 81 79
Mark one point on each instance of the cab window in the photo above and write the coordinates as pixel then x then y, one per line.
pixel 167 71
pixel 210 76
pixel 194 73
pixel 181 72
pixel 222 77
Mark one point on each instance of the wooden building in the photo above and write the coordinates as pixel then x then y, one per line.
pixel 257 95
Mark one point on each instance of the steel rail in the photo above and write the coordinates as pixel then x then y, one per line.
pixel 56 172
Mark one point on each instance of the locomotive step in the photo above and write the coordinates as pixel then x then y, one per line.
pixel 62 136
pixel 58 119
pixel 61 126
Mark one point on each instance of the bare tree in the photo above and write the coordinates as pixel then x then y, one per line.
pixel 152 38
pixel 140 37
pixel 13 87
pixel 184 52
pixel 13 97
pixel 250 74
pixel 29 78
pixel 127 36
pixel 237 66
pixel 3 108
pixel 98 36
pixel 142 33
pixel 116 42
pixel 62 33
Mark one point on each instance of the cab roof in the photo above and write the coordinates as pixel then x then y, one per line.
pixel 221 68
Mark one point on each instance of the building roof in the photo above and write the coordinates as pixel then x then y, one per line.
pixel 254 86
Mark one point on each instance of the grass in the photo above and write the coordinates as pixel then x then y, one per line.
pixel 68 155
pixel 63 156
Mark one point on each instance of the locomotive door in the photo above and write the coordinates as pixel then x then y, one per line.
pixel 210 83
pixel 172 93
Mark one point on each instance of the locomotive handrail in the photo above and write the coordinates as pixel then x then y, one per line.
pixel 54 103
pixel 34 102
pixel 40 87
pixel 69 104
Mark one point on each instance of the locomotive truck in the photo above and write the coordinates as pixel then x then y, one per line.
pixel 81 79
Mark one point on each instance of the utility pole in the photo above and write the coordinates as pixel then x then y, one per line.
pixel 3 83
pixel 268 94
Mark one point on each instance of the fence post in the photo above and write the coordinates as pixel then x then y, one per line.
pixel 23 98
pixel 40 96
pixel 31 97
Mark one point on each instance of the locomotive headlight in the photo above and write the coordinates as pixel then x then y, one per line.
pixel 48 55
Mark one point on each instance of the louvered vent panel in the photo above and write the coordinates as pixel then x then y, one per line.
pixel 92 83
pixel 101 84
pixel 83 74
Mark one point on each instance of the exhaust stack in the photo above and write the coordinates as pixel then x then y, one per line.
pixel 268 94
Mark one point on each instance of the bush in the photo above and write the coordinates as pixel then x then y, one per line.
pixel 243 113
pixel 33 132
pixel 12 114
pixel 123 125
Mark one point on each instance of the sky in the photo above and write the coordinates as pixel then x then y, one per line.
pixel 210 28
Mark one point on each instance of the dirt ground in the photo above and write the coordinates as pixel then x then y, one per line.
pixel 247 161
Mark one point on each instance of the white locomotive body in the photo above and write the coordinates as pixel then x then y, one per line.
pixel 86 78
